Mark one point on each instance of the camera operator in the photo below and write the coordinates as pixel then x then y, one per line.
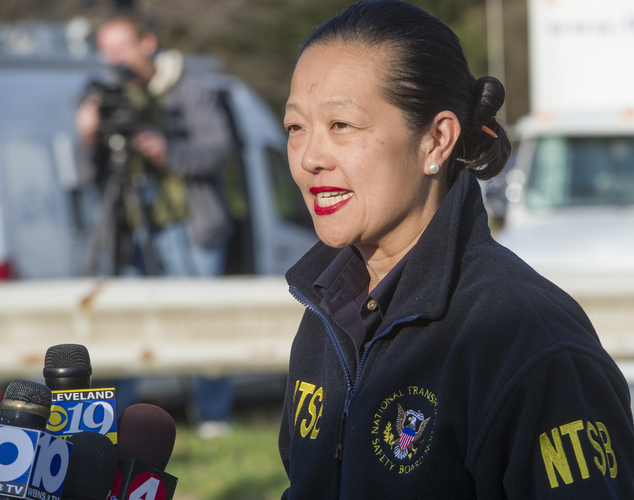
pixel 179 139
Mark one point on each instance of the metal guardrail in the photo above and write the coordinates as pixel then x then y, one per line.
pixel 233 324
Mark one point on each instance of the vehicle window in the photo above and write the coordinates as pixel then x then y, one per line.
pixel 582 171
pixel 288 198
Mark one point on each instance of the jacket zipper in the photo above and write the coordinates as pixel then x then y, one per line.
pixel 309 305
pixel 333 339
pixel 351 387
pixel 406 319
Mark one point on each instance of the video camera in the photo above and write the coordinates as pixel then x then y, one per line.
pixel 122 107
pixel 118 119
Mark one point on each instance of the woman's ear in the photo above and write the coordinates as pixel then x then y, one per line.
pixel 441 139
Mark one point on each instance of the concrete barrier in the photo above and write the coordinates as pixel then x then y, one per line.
pixel 150 326
pixel 160 326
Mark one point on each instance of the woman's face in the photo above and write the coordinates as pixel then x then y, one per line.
pixel 351 153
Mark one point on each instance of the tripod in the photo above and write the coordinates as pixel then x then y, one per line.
pixel 121 197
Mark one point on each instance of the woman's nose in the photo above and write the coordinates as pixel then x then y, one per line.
pixel 317 155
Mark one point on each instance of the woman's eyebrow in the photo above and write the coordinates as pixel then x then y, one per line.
pixel 291 106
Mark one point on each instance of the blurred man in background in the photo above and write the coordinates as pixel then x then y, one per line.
pixel 180 140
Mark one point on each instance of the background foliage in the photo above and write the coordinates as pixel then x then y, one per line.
pixel 258 39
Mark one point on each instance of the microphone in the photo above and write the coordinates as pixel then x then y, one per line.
pixel 33 463
pixel 26 404
pixel 146 441
pixel 92 467
pixel 67 367
pixel 76 407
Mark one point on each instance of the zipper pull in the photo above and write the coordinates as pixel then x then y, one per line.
pixel 344 418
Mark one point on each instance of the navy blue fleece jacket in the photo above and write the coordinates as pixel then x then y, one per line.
pixel 484 380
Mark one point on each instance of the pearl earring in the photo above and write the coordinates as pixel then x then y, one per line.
pixel 434 168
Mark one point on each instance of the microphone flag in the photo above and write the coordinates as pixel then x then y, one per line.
pixel 84 410
pixel 33 463
pixel 136 480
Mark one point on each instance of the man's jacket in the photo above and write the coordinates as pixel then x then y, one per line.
pixel 199 141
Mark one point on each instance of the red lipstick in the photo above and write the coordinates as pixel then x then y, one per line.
pixel 325 189
pixel 325 205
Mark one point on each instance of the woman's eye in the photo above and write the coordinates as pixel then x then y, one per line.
pixel 293 128
pixel 339 125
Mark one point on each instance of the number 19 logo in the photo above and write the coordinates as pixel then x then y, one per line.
pixel 97 417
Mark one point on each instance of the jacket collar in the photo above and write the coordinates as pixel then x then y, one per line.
pixel 169 67
pixel 432 270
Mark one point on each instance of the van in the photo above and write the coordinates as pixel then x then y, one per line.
pixel 46 220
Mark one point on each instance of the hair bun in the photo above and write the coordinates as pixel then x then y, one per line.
pixel 488 98
pixel 485 145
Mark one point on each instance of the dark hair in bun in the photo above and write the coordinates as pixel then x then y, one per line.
pixel 427 72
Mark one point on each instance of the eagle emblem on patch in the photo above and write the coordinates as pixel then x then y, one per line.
pixel 402 439
pixel 410 425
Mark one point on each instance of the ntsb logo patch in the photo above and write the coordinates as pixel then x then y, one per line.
pixel 402 428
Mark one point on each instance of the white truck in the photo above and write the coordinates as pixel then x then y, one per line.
pixel 570 213
pixel 571 192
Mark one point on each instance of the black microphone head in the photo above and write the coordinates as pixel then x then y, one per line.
pixel 29 392
pixel 146 432
pixel 67 367
pixel 26 404
pixel 91 468
pixel 67 356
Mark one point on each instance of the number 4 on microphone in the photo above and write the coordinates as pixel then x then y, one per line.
pixel 136 480
pixel 146 486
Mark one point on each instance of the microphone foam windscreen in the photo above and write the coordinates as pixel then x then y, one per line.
pixel 91 468
pixel 67 356
pixel 147 433
pixel 29 392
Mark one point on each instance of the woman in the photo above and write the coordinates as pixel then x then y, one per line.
pixel 431 362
